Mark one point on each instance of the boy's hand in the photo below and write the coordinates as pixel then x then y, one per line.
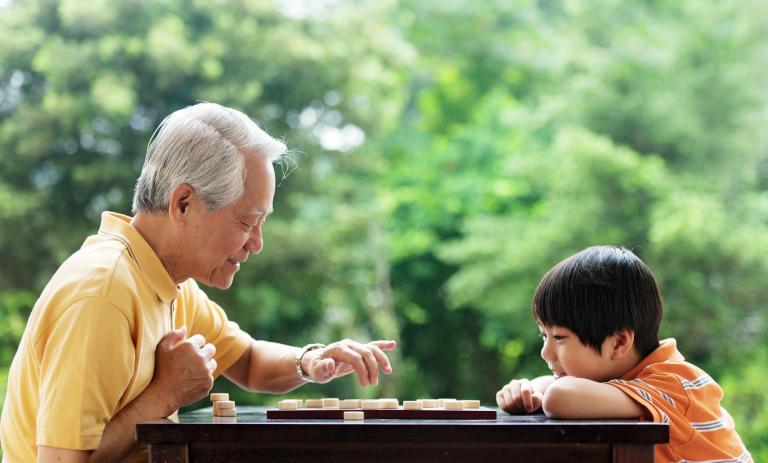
pixel 519 396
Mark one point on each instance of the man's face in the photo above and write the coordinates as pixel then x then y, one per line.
pixel 224 238
pixel 567 356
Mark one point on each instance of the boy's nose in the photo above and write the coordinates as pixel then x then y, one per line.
pixel 546 353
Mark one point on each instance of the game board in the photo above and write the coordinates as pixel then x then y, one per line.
pixel 395 411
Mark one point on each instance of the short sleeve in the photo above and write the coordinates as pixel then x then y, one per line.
pixel 205 317
pixel 665 399
pixel 86 365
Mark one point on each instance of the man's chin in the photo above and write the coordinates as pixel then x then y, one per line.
pixel 220 283
pixel 224 284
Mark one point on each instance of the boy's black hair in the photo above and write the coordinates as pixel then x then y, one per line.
pixel 599 291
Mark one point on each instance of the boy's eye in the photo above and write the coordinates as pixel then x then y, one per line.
pixel 556 337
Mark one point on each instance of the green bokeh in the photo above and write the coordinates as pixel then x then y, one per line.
pixel 448 154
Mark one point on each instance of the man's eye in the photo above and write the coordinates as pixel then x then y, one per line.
pixel 249 227
pixel 558 338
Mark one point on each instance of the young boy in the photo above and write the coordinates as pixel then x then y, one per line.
pixel 599 313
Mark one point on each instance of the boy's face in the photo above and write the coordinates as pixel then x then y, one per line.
pixel 567 356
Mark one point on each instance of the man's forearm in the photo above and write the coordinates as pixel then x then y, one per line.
pixel 119 437
pixel 272 368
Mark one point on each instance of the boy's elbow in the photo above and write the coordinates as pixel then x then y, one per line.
pixel 557 400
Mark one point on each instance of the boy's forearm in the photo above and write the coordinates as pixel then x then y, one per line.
pixel 579 398
pixel 541 383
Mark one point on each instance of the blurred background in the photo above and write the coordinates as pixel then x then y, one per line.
pixel 447 155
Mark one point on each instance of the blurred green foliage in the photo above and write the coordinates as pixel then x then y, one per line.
pixel 746 400
pixel 448 153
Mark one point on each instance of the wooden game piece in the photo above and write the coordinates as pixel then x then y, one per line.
pixel 330 403
pixel 225 419
pixel 354 415
pixel 349 403
pixel 372 404
pixel 373 410
pixel 441 402
pixel 313 403
pixel 471 404
pixel 216 396
pixel 226 412
pixel 387 404
pixel 453 405
pixel 413 405
pixel 288 404
pixel 429 403
pixel 223 404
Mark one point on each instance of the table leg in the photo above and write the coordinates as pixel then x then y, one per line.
pixel 168 453
pixel 633 453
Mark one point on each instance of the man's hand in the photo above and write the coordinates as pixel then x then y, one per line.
pixel 347 356
pixel 523 396
pixel 183 368
pixel 183 374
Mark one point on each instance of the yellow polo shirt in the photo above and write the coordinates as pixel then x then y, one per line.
pixel 89 345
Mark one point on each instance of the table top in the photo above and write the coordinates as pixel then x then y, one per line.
pixel 252 425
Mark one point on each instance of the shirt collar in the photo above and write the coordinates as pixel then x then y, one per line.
pixel 118 226
pixel 666 352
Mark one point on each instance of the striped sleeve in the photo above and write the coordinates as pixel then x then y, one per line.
pixel 700 430
pixel 663 397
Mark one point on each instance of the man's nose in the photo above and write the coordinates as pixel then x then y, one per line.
pixel 255 242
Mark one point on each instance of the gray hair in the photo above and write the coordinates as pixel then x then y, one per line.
pixel 203 146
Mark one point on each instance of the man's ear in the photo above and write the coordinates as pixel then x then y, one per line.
pixel 180 202
pixel 622 343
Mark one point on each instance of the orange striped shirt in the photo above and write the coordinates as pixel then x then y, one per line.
pixel 683 395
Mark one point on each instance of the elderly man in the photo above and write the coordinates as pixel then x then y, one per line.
pixel 122 333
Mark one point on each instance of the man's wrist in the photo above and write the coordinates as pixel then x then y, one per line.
pixel 165 403
pixel 300 371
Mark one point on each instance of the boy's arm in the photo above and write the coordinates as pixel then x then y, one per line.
pixel 522 395
pixel 578 398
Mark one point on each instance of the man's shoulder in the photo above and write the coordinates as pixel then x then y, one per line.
pixel 100 268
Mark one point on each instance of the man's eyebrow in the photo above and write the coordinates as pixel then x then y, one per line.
pixel 259 212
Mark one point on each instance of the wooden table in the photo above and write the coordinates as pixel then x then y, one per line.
pixel 200 437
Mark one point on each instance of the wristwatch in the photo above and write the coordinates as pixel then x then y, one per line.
pixel 302 375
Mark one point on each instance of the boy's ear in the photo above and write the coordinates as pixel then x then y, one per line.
pixel 622 343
